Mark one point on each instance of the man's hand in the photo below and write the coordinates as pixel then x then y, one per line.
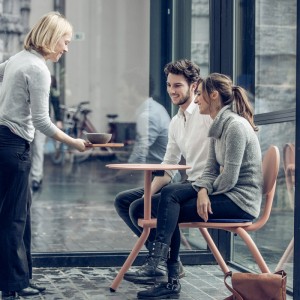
pixel 203 205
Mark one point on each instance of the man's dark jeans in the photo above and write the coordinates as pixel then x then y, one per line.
pixel 130 207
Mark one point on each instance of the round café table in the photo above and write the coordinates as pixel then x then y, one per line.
pixel 149 169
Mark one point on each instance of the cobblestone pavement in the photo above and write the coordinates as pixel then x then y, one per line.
pixel 201 282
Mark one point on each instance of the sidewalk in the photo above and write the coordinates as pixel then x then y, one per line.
pixel 200 283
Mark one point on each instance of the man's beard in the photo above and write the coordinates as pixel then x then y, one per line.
pixel 184 99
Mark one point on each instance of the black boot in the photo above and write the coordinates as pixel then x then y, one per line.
pixel 133 275
pixel 154 269
pixel 166 290
pixel 176 265
pixel 170 289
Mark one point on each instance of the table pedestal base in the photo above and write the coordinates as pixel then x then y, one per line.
pixel 130 259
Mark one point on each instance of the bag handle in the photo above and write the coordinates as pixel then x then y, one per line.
pixel 235 294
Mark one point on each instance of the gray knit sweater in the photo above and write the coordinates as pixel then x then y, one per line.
pixel 234 149
pixel 24 95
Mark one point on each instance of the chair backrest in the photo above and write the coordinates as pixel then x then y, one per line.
pixel 270 168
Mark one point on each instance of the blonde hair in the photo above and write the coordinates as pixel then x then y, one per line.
pixel 45 34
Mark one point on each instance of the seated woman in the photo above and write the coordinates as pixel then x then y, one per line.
pixel 230 186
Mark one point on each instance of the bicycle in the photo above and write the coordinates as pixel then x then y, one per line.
pixel 122 132
pixel 75 124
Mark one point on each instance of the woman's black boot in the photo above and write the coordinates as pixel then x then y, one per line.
pixel 170 289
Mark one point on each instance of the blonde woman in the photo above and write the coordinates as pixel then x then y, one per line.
pixel 24 107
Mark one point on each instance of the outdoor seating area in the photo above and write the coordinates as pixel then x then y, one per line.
pixel 65 220
pixel 149 149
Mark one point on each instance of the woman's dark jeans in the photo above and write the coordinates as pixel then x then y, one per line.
pixel 15 201
pixel 178 203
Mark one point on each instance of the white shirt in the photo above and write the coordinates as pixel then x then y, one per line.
pixel 188 136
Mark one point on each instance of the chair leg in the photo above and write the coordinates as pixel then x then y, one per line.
pixel 184 241
pixel 253 249
pixel 286 255
pixel 215 251
pixel 130 259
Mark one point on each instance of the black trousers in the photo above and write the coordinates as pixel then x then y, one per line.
pixel 15 202
pixel 178 204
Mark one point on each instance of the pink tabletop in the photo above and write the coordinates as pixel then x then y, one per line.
pixel 150 167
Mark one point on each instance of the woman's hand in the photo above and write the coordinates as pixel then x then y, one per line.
pixel 203 204
pixel 82 145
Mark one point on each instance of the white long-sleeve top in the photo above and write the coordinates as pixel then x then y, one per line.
pixel 24 95
pixel 188 136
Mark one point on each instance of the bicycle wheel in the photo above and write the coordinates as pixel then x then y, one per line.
pixel 57 153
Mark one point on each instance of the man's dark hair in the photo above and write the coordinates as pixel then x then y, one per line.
pixel 184 67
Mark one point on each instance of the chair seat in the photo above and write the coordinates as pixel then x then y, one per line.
pixel 229 221
pixel 212 223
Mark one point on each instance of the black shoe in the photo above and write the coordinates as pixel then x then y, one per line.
pixel 10 295
pixel 29 291
pixel 174 269
pixel 36 185
pixel 136 276
pixel 164 290
pixel 154 269
pixel 36 286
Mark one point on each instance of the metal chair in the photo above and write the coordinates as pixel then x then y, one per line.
pixel 240 227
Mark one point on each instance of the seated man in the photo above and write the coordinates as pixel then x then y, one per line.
pixel 187 137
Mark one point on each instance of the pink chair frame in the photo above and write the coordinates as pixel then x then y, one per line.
pixel 270 171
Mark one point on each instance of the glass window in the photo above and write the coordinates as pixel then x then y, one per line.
pixel 200 55
pixel 107 65
pixel 275 55
pixel 266 66
pixel 200 35
pixel 274 238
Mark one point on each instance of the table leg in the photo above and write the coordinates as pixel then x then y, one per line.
pixel 130 259
pixel 144 235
